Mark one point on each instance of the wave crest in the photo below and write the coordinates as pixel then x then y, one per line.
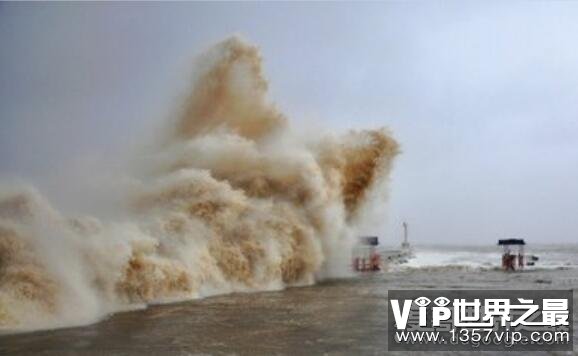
pixel 233 201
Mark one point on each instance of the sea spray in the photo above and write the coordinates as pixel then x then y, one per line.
pixel 232 200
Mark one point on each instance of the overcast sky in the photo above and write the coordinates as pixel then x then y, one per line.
pixel 483 96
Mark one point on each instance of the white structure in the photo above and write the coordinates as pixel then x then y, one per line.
pixel 405 243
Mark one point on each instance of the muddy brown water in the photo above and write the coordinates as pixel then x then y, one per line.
pixel 342 317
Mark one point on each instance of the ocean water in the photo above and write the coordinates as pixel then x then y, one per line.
pixel 488 257
pixel 336 317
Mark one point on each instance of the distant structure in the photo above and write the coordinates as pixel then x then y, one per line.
pixel 513 257
pixel 369 257
pixel 365 255
pixel 512 260
pixel 405 243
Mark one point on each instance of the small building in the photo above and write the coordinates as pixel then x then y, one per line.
pixel 365 254
pixel 513 257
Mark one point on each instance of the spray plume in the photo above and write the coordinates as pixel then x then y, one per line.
pixel 233 201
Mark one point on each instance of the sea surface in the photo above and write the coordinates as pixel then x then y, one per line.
pixel 341 317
